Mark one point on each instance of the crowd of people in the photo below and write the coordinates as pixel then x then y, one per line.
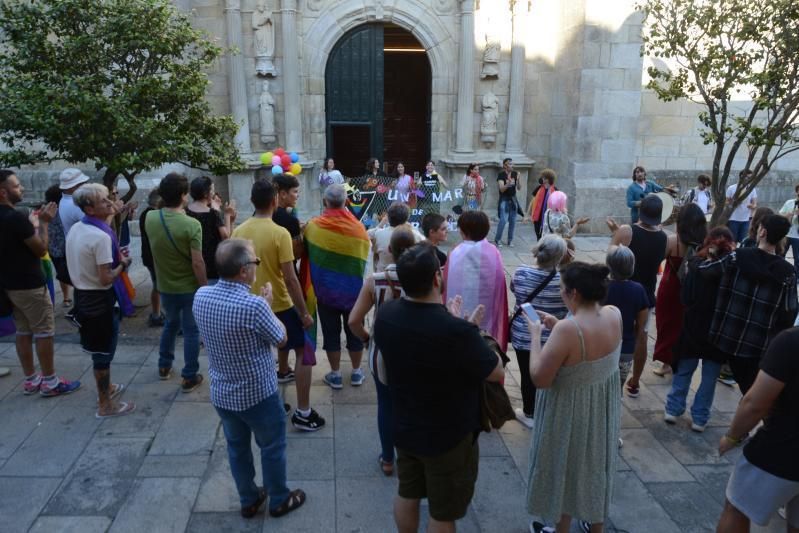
pixel 431 328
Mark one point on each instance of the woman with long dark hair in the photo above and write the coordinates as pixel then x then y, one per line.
pixel 473 186
pixel 329 175
pixel 691 232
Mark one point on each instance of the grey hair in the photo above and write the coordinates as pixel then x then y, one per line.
pixel 231 255
pixel 335 196
pixel 549 251
pixel 621 262
pixel 88 194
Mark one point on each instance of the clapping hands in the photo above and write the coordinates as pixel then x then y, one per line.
pixel 266 293
pixel 455 307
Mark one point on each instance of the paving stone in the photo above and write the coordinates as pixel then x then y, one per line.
pixel 218 490
pixel 726 399
pixel 11 381
pixel 131 354
pixel 71 524
pixel 499 496
pixel 492 445
pixel 635 509
pixel 649 459
pixel 21 500
pixel 356 430
pixel 365 504
pixel 311 459
pixel 145 420
pixel 688 504
pixel 688 447
pixel 316 516
pixel 224 522
pixel 320 395
pixel 326 412
pixel 517 440
pixel 713 435
pixel 628 419
pixel 646 401
pixel 101 478
pixel 362 395
pixel 157 504
pixel 174 466
pixel 189 428
pixel 713 478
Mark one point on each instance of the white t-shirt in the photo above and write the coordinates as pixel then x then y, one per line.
pixel 69 212
pixel 381 239
pixel 87 247
pixel 700 198
pixel 741 213
pixel 788 208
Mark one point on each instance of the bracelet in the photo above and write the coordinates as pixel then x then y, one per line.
pixel 733 440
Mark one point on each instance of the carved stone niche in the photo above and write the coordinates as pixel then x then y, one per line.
pixel 263 24
pixel 488 121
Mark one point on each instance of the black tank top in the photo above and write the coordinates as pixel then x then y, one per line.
pixel 649 248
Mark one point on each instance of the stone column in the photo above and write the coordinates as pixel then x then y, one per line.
pixel 291 77
pixel 465 119
pixel 513 140
pixel 237 84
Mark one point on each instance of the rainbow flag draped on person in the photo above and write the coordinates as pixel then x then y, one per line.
pixel 332 270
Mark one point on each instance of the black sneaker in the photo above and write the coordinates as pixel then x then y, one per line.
pixel 285 377
pixel 312 422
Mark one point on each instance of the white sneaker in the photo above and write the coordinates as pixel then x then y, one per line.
pixel 669 419
pixel 696 427
pixel 621 442
pixel 781 512
pixel 526 421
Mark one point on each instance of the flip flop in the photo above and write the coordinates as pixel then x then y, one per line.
pixel 124 408
pixel 117 388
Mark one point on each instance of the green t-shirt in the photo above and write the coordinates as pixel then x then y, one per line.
pixel 173 272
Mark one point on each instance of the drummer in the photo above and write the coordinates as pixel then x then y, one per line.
pixel 639 188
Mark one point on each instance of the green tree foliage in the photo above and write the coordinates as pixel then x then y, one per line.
pixel 120 83
pixel 720 51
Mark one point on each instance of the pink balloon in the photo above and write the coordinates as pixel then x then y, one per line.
pixel 276 162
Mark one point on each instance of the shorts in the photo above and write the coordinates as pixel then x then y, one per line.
pixel 33 312
pixel 332 319
pixel 295 334
pixel 61 270
pixel 771 493
pixel 446 480
pixel 98 322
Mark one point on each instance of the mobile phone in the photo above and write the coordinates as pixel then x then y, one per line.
pixel 529 310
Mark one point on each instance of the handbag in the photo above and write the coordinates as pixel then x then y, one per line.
pixel 495 406
pixel 529 299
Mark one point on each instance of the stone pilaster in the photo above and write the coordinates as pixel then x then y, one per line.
pixel 513 140
pixel 292 103
pixel 464 135
pixel 237 84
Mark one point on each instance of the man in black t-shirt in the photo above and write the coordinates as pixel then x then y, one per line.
pixel 22 246
pixel 435 364
pixel 767 475
pixel 508 183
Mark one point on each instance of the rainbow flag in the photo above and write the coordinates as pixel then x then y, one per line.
pixel 332 270
pixel 7 326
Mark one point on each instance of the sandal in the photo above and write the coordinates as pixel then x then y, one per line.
pixel 252 510
pixel 124 408
pixel 116 389
pixel 386 466
pixel 294 501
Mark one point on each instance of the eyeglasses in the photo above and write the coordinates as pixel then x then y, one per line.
pixel 256 262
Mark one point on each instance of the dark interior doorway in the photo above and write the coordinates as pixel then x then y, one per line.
pixel 378 94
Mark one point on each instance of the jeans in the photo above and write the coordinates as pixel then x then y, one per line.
pixel 794 243
pixel 385 412
pixel 507 214
pixel 739 229
pixel 680 383
pixel 267 421
pixel 177 309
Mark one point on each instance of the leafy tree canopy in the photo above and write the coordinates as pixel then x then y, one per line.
pixel 719 51
pixel 117 82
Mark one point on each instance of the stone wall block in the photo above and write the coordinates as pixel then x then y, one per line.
pixel 652 105
pixel 625 55
pixel 621 103
pixel 680 163
pixel 613 151
pixel 588 170
pixel 652 162
pixel 666 126
pixel 661 145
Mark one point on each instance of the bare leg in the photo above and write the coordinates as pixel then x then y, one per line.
pixel 732 520
pixel 282 361
pixel 434 526
pixel 155 302
pixel 65 290
pixel 25 353
pixel 302 381
pixel 406 515
pixel 356 358
pixel 597 528
pixel 103 379
pixel 44 352
pixel 564 524
pixel 335 360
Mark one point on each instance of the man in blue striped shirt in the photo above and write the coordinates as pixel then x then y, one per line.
pixel 239 330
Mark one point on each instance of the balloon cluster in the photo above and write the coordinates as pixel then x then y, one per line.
pixel 282 162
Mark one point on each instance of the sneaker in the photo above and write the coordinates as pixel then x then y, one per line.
pixel 287 408
pixel 32 386
pixel 62 387
pixel 632 392
pixel 189 385
pixel 312 422
pixel 4 371
pixel 621 443
pixel 357 378
pixel 164 373
pixel 538 527
pixel 699 428
pixel 669 419
pixel 156 321
pixel 523 418
pixel 584 527
pixel 781 512
pixel 333 380
pixel 498 244
pixel 285 377
pixel 510 244
pixel 727 380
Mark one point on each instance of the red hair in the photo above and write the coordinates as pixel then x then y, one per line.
pixel 718 243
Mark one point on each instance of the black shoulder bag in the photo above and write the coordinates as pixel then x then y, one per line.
pixel 530 298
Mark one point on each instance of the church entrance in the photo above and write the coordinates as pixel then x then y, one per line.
pixel 377 99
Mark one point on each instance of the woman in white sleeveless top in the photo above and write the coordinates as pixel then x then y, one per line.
pixel 378 289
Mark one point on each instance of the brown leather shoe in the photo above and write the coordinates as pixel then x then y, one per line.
pixel 191 384
pixel 252 510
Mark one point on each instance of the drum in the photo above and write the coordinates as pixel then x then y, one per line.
pixel 670 209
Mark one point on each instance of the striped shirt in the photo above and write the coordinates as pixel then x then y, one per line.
pixel 238 329
pixel 525 280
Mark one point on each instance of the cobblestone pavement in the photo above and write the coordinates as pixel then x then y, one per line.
pixel 164 468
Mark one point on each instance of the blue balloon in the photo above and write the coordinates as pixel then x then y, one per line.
pixel 294 157
pixel 277 169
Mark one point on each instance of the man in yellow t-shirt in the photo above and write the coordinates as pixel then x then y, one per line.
pixel 273 247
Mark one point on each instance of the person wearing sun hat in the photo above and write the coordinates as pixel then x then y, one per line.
pixel 69 182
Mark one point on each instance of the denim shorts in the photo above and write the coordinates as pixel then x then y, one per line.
pixel 332 320
pixel 772 493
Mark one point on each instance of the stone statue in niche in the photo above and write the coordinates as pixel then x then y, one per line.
pixel 488 122
pixel 266 107
pixel 264 25
pixel 491 55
